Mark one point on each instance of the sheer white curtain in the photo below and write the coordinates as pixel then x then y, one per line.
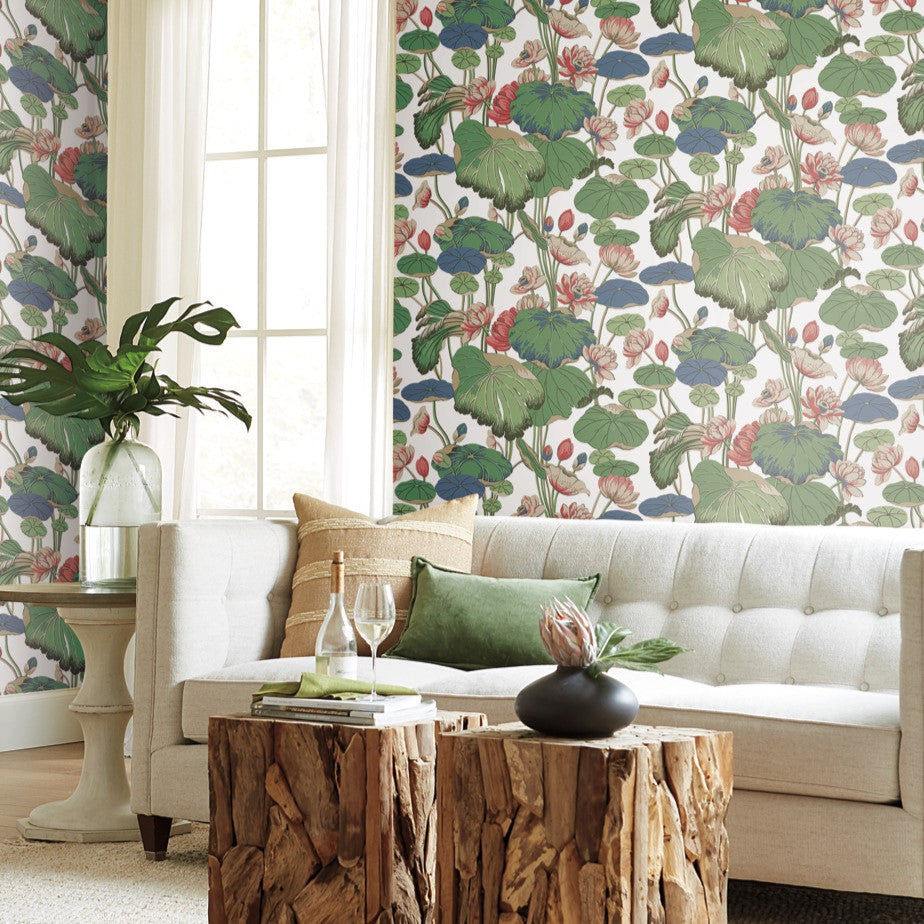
pixel 360 167
pixel 159 53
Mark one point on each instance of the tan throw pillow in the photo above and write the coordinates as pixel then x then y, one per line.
pixel 372 549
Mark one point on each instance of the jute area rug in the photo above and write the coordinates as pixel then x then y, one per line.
pixel 96 883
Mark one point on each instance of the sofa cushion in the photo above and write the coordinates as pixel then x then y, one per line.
pixel 229 689
pixel 832 742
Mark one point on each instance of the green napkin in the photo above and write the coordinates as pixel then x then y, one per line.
pixel 320 686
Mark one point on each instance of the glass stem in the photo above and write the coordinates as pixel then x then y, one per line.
pixel 373 646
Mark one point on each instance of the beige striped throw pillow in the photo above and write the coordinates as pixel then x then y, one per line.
pixel 373 549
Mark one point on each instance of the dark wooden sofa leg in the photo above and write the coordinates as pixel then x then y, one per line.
pixel 155 832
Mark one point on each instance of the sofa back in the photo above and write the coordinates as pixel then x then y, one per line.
pixel 770 604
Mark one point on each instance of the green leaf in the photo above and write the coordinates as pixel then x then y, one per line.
pixel 625 323
pixel 605 198
pixel 911 110
pixel 33 527
pixel 419 41
pixel 605 463
pixel 622 96
pixel 857 74
pixel 62 215
pixel 398 510
pixel 637 399
pixel 718 344
pixel 551 337
pixel 33 105
pixel 885 280
pixel 793 217
pixel 703 396
pixel 496 390
pixel 884 46
pixel 603 428
pixel 738 272
pixel 809 270
pixel 704 165
pixel 727 495
pixel 888 517
pixel 737 42
pixel 402 319
pixel 665 460
pixel 50 634
pixel 664 12
pixel 902 22
pixel 90 176
pixel 654 376
pixel 487 465
pixel 407 63
pixel 795 452
pixel 724 115
pixel 466 59
pixel 531 460
pixel 427 345
pixel 415 491
pixel 904 494
pixel 903 256
pixel 404 93
pixel 498 164
pixel 550 109
pixel 656 146
pixel 418 265
pixel 405 288
pixel 564 388
pixel 810 504
pixel 808 38
pixel 871 440
pixel 642 656
pixel 565 160
pixel 67 437
pixel 489 237
pixel 637 168
pixel 859 308
pixel 667 227
pixel 76 25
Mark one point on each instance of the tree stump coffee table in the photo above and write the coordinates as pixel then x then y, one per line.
pixel 323 824
pixel 627 829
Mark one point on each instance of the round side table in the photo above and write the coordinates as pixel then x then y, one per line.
pixel 99 808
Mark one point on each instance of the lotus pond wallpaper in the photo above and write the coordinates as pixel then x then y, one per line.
pixel 661 260
pixel 53 88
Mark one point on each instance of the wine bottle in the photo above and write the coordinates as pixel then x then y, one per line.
pixel 335 649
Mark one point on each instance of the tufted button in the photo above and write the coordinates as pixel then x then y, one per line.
pixel 673 605
pixel 809 610
pixel 607 599
pixel 864 686
pixel 790 680
pixel 883 611
pixel 737 608
pixel 720 678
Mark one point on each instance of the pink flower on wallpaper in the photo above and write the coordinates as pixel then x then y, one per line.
pixel 44 144
pixel 885 221
pixel 885 459
pixel 774 181
pixel 809 130
pixel 821 172
pixel 577 64
pixel 867 372
pixel 717 433
pixel 659 305
pixel 91 127
pixel 602 361
pixel 567 26
pixel 717 200
pixel 401 457
pixel 850 477
pixel 477 94
pixel 603 131
pixel 811 365
pixel 822 406
pixel 740 218
pixel 530 506
pixel 405 10
pixel 405 229
pixel 620 31
pixel 574 511
pixel 910 420
pixel 848 241
pixel 740 451
pixel 565 482
pixel 619 490
pixel 476 319
pixel 777 414
pixel 531 278
pixel 565 252
pixel 91 329
pixel 775 158
pixel 659 77
pixel 533 74
pixel 500 108
pixel 637 112
pixel 532 53
pixel 620 259
pixel 64 165
pixel 422 195
pixel 44 562
pixel 576 292
pixel 867 138
pixel 848 12
pixel 634 346
pixel 531 300
pixel 421 422
pixel 499 338
pixel 909 183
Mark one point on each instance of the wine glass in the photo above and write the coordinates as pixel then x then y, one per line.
pixel 374 615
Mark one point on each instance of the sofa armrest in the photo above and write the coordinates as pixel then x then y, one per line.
pixel 911 684
pixel 210 593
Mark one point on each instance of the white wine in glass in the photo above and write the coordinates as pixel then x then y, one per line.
pixel 374 617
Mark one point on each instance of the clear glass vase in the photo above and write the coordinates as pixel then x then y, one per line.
pixel 120 490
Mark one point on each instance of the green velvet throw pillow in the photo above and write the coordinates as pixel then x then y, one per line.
pixel 472 622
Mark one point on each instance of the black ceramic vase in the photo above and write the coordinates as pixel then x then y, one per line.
pixel 569 703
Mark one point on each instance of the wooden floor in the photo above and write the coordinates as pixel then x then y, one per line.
pixel 33 776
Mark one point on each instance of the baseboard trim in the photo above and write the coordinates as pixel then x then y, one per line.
pixel 37 720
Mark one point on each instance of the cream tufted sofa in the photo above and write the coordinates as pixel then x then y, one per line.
pixel 807 643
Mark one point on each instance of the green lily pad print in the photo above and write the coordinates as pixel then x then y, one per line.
pixel 649 250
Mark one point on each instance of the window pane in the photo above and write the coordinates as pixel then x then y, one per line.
pixel 295 108
pixel 234 71
pixel 296 242
pixel 295 399
pixel 227 453
pixel 229 238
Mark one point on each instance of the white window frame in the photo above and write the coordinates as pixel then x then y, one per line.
pixel 261 334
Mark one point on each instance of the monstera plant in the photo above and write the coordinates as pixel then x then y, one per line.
pixel 119 479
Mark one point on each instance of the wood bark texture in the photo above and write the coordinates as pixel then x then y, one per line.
pixel 622 830
pixel 319 823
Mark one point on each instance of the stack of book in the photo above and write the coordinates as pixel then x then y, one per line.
pixel 379 713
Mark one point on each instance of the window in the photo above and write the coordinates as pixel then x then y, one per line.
pixel 264 255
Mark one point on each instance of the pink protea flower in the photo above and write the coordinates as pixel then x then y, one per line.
pixel 822 406
pixel 849 476
pixel 44 562
pixel 499 113
pixel 499 338
pixel 775 158
pixel 634 346
pixel 822 172
pixel 718 432
pixel 477 94
pixel 565 252
pixel 577 64
pixel 531 278
pixel 619 490
pixel 576 292
pixel 849 241
pixel 401 457
pixel 740 218
pixel 567 634
pixel 604 132
pixel 866 137
pixel 810 364
pixel 602 361
pixel 660 76
pixel 621 31
pixel 529 506
pixel 476 319
pixel 574 511
pixel 848 12
pixel 809 130
pixel 717 200
pixel 659 305
pixel 909 183
pixel 405 229
pixel 910 420
pixel 533 52
pixel 740 450
pixel 635 115
pixel 867 372
pixel 620 259
pixel 421 422
pixel 885 221
pixel 885 459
